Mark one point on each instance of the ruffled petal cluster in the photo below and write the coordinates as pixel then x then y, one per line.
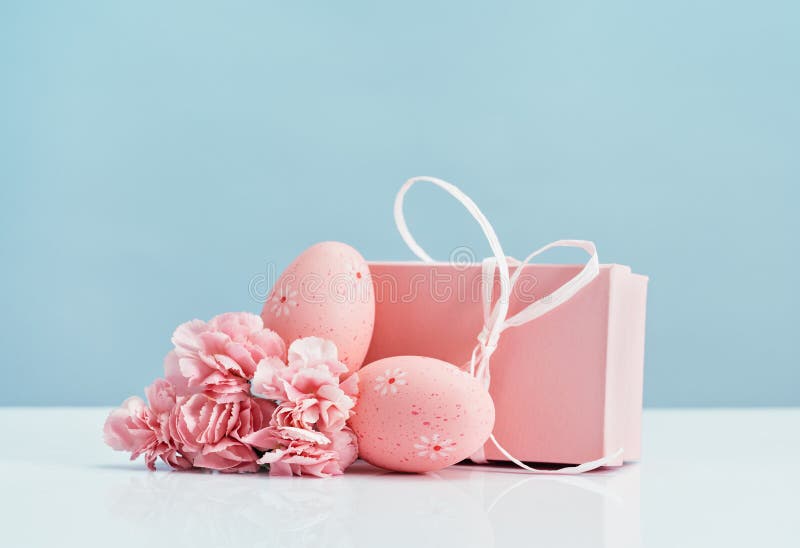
pixel 219 358
pixel 309 385
pixel 308 433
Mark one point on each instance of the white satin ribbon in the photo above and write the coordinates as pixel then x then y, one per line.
pixel 495 314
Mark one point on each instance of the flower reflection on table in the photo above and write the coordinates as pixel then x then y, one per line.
pixel 219 510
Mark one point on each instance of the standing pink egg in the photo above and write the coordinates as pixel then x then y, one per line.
pixel 418 414
pixel 326 292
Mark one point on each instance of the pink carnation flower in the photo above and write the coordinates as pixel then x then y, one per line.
pixel 219 358
pixel 309 386
pixel 144 430
pixel 212 433
pixel 295 451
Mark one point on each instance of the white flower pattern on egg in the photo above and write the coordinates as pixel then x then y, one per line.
pixel 434 447
pixel 283 299
pixel 389 382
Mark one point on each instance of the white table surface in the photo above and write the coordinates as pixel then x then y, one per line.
pixel 707 478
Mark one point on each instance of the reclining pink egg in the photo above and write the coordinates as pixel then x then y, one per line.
pixel 418 414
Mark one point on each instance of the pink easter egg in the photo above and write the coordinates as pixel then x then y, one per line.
pixel 418 414
pixel 326 292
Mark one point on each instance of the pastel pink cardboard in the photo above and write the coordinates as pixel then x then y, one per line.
pixel 567 386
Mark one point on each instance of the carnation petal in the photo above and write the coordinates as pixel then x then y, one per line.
pixel 313 350
pixel 301 434
pixel 236 324
pixel 269 342
pixel 172 372
pixel 350 385
pixel 267 382
pixel 263 439
pixel 277 469
pixel 160 396
pixel 186 335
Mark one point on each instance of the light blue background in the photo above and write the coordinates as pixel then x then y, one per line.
pixel 155 156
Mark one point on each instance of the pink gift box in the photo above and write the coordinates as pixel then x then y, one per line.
pixel 567 386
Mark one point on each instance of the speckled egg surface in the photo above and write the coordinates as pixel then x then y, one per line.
pixel 418 414
pixel 326 292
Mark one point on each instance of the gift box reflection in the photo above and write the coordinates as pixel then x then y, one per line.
pixel 597 509
pixel 456 507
